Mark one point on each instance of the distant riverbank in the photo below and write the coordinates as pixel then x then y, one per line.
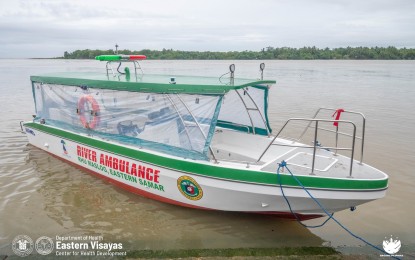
pixel 268 53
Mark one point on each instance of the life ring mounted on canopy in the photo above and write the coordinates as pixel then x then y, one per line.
pixel 84 103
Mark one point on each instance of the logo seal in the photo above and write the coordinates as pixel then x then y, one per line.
pixel 22 245
pixel 189 188
pixel 44 245
pixel 391 246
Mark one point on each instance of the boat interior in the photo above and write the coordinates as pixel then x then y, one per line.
pixel 265 153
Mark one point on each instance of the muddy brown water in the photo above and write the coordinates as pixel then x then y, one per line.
pixel 43 196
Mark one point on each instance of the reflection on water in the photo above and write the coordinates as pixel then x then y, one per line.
pixel 79 203
pixel 41 195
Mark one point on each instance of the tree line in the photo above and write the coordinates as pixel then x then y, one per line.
pixel 268 53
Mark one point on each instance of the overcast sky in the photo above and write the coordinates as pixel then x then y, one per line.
pixel 36 28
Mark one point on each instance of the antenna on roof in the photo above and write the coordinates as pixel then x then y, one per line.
pixel 116 48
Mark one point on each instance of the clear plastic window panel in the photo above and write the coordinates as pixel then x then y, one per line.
pixel 177 124
pixel 245 109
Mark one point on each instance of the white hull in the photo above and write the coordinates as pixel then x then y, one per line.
pixel 162 184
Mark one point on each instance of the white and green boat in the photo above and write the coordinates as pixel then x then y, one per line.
pixel 198 142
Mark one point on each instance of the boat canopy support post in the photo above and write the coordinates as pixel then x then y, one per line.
pixel 198 125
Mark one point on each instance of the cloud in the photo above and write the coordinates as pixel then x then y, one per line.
pixel 48 28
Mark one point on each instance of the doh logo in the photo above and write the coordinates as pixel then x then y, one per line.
pixel 189 188
pixel 65 151
pixel 22 245
pixel 391 246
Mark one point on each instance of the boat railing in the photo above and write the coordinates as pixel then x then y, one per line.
pixel 337 132
pixel 316 145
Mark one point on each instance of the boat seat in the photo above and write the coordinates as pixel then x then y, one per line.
pixel 160 113
pixel 132 127
pixel 128 128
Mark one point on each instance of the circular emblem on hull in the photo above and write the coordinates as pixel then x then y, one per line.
pixel 189 188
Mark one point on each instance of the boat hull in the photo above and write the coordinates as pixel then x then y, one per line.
pixel 191 188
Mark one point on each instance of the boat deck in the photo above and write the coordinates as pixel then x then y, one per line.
pixel 246 149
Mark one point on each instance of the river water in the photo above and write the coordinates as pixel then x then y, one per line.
pixel 43 196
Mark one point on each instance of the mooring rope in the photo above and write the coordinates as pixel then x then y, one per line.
pixel 283 164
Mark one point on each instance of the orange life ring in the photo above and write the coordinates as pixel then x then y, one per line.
pixel 94 112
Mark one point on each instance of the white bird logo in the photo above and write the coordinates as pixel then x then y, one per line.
pixel 391 246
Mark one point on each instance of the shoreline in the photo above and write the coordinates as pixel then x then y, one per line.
pixel 302 252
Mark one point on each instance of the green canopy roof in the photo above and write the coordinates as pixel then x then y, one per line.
pixel 148 83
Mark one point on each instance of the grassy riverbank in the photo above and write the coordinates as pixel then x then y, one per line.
pixel 283 252
pixel 268 53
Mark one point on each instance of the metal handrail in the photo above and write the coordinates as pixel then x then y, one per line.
pixel 259 111
pixel 332 131
pixel 337 128
pixel 310 146
pixel 315 145
pixel 247 111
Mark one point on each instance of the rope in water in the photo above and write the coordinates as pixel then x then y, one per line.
pixel 282 165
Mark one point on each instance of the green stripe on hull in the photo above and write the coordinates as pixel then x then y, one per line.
pixel 257 177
